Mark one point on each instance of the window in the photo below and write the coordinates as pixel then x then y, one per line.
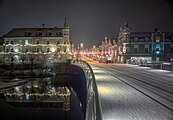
pixel 58 42
pixel 135 50
pixel 7 50
pixel 0 50
pixel 7 42
pixel 146 50
pixel 157 39
pixel 64 42
pixel 38 34
pixel 141 39
pixel 48 49
pixel 37 42
pixel 64 50
pixel 12 42
pixel 136 39
pixel 47 41
pixel 12 50
pixel 58 49
pixel 27 33
pixel 48 34
pixel 25 42
pixel 26 50
pixel 38 50
pixel 146 39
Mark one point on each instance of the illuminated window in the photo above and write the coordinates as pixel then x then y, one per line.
pixel 157 39
pixel 25 42
pixel 58 49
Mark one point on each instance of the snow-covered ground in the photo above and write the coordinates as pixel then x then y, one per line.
pixel 122 102
pixel 140 100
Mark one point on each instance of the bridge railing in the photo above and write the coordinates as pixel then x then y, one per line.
pixel 93 107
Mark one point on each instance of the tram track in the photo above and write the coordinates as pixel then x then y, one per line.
pixel 148 89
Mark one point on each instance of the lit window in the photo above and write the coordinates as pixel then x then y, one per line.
pixel 25 42
pixel 157 39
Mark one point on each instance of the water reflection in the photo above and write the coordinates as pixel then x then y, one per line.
pixel 41 93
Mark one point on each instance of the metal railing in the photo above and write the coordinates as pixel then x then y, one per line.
pixel 93 107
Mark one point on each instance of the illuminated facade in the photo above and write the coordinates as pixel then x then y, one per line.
pixel 143 47
pixel 35 44
pixel 108 50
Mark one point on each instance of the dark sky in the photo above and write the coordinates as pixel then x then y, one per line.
pixel 89 20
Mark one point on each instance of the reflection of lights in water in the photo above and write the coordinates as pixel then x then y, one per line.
pixel 17 89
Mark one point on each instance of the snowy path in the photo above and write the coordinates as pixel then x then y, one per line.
pixel 128 100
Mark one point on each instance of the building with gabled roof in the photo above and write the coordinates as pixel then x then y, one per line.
pixel 26 44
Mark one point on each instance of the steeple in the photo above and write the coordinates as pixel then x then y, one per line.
pixel 65 23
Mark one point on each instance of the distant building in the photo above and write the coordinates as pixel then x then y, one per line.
pixel 26 44
pixel 141 47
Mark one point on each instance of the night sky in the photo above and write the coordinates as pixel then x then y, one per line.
pixel 89 20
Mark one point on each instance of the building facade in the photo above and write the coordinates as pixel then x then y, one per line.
pixel 35 44
pixel 142 47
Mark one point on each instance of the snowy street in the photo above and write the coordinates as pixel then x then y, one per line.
pixel 129 92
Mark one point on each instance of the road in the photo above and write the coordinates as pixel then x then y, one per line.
pixel 129 92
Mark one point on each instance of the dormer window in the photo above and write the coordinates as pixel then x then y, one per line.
pixel 48 34
pixel 27 33
pixel 38 34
